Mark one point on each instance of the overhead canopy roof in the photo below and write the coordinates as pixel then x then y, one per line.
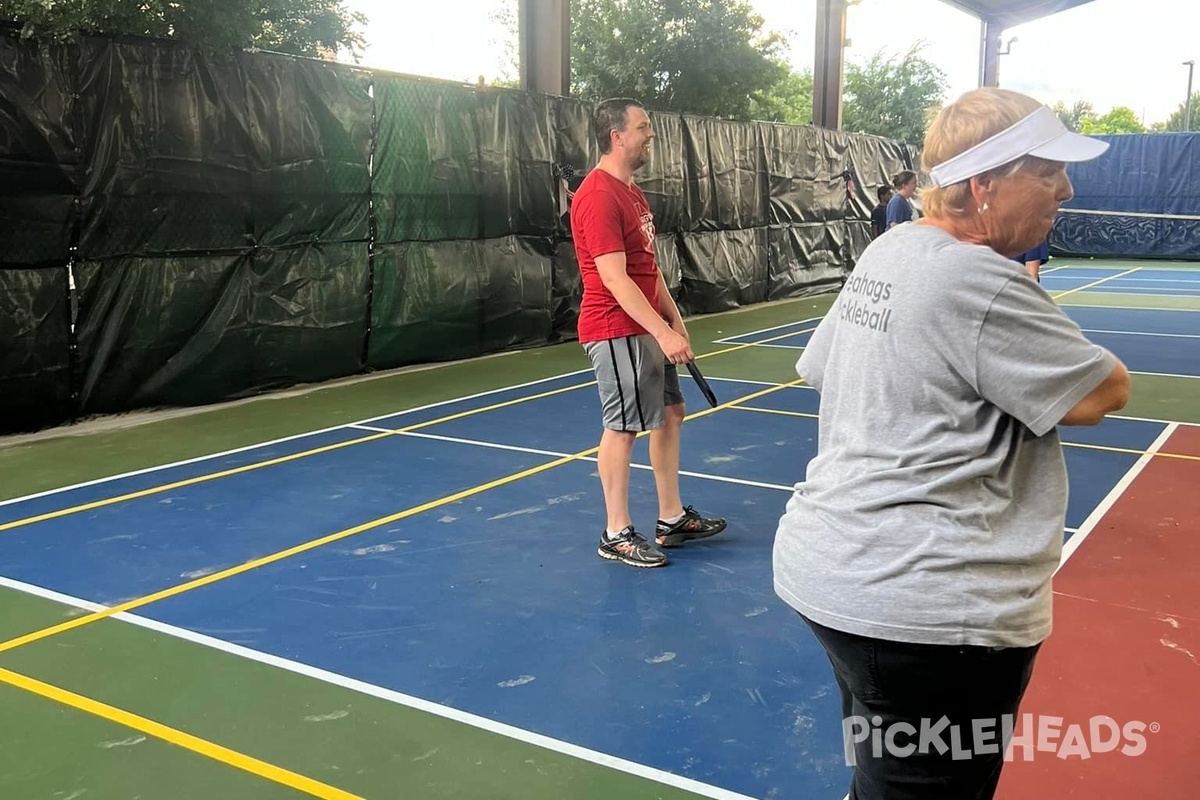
pixel 1009 13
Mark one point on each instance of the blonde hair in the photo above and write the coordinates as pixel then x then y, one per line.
pixel 960 126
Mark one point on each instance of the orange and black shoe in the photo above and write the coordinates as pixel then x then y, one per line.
pixel 630 547
pixel 692 526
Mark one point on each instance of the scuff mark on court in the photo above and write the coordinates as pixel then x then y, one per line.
pixel 425 756
pixel 1167 643
pixel 661 658
pixel 756 612
pixel 803 725
pixel 119 537
pixel 371 634
pixel 519 512
pixel 1174 623
pixel 566 498
pixel 340 714
pixel 218 633
pixel 130 742
pixel 378 548
pixel 446 520
pixel 521 681
pixel 199 573
pixel 720 459
pixel 704 698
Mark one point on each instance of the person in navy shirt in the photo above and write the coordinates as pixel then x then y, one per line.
pixel 1033 260
pixel 899 210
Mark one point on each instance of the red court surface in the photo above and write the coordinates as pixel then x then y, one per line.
pixel 1125 644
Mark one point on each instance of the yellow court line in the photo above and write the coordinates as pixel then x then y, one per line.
pixel 197 583
pixel 176 737
pixel 153 490
pixel 1131 451
pixel 167 487
pixel 1057 295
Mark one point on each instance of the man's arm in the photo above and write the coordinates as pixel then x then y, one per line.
pixel 611 267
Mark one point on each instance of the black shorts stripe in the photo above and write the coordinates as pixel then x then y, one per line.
pixel 612 352
pixel 637 392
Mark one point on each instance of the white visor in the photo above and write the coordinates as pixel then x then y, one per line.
pixel 1040 134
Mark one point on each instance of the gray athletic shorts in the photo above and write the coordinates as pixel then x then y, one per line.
pixel 636 383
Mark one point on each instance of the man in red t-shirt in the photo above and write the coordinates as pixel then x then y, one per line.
pixel 634 335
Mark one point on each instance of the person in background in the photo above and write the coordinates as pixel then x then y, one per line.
pixel 879 212
pixel 920 546
pixel 1033 260
pixel 899 210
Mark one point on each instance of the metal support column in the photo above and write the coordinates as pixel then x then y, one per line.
pixel 989 52
pixel 544 28
pixel 828 72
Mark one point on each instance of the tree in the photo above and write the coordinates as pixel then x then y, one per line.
pixel 790 100
pixel 893 97
pixel 1074 116
pixel 1178 120
pixel 1121 119
pixel 710 57
pixel 299 27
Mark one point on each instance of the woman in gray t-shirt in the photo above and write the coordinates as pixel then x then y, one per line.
pixel 921 544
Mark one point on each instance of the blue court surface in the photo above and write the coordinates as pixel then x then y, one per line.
pixel 461 565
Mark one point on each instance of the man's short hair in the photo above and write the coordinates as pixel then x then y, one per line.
pixel 611 115
pixel 882 192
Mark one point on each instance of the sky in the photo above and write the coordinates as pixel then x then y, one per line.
pixel 1106 52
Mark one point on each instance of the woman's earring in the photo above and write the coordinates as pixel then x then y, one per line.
pixel 983 208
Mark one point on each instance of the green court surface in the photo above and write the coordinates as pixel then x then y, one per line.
pixel 122 708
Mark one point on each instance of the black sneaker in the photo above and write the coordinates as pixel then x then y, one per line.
pixel 692 526
pixel 630 547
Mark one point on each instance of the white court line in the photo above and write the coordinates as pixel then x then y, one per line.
pixel 769 346
pixel 554 454
pixel 1159 265
pixel 1144 333
pixel 1072 544
pixel 1128 308
pixel 1147 291
pixel 730 339
pixel 1164 375
pixel 398 698
pixel 806 387
pixel 1124 281
pixel 284 439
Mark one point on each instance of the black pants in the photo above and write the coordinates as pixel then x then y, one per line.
pixel 925 722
